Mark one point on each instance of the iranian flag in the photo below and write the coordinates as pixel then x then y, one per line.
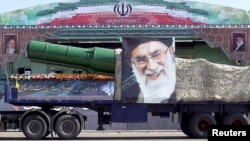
pixel 121 14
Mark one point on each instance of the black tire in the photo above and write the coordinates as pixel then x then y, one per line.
pixel 199 124
pixel 67 127
pixel 48 133
pixel 184 128
pixel 34 127
pixel 235 119
pixel 184 124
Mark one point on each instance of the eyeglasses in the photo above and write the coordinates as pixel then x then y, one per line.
pixel 142 61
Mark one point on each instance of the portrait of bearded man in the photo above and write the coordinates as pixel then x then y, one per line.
pixel 153 66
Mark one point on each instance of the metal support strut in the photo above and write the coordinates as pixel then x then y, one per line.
pixel 100 119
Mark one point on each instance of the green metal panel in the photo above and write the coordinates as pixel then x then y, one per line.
pixel 202 50
pixel 215 55
pixel 97 59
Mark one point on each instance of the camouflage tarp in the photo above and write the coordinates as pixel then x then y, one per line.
pixel 118 73
pixel 201 80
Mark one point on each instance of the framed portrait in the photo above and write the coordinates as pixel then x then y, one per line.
pixel 10 44
pixel 239 42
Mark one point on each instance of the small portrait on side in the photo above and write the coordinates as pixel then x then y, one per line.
pixel 239 42
pixel 10 44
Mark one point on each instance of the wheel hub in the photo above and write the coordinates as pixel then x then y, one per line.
pixel 35 127
pixel 68 127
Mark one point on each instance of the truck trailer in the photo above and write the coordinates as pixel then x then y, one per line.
pixel 125 66
pixel 202 97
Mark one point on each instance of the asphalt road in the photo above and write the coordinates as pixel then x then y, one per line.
pixel 157 135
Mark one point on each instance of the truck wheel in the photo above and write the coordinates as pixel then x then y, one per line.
pixel 34 127
pixel 184 128
pixel 67 127
pixel 199 124
pixel 48 132
pixel 235 119
pixel 184 124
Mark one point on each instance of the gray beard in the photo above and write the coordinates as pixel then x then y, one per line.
pixel 239 44
pixel 10 50
pixel 155 91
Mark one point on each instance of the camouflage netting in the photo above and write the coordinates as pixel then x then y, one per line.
pixel 118 74
pixel 201 80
